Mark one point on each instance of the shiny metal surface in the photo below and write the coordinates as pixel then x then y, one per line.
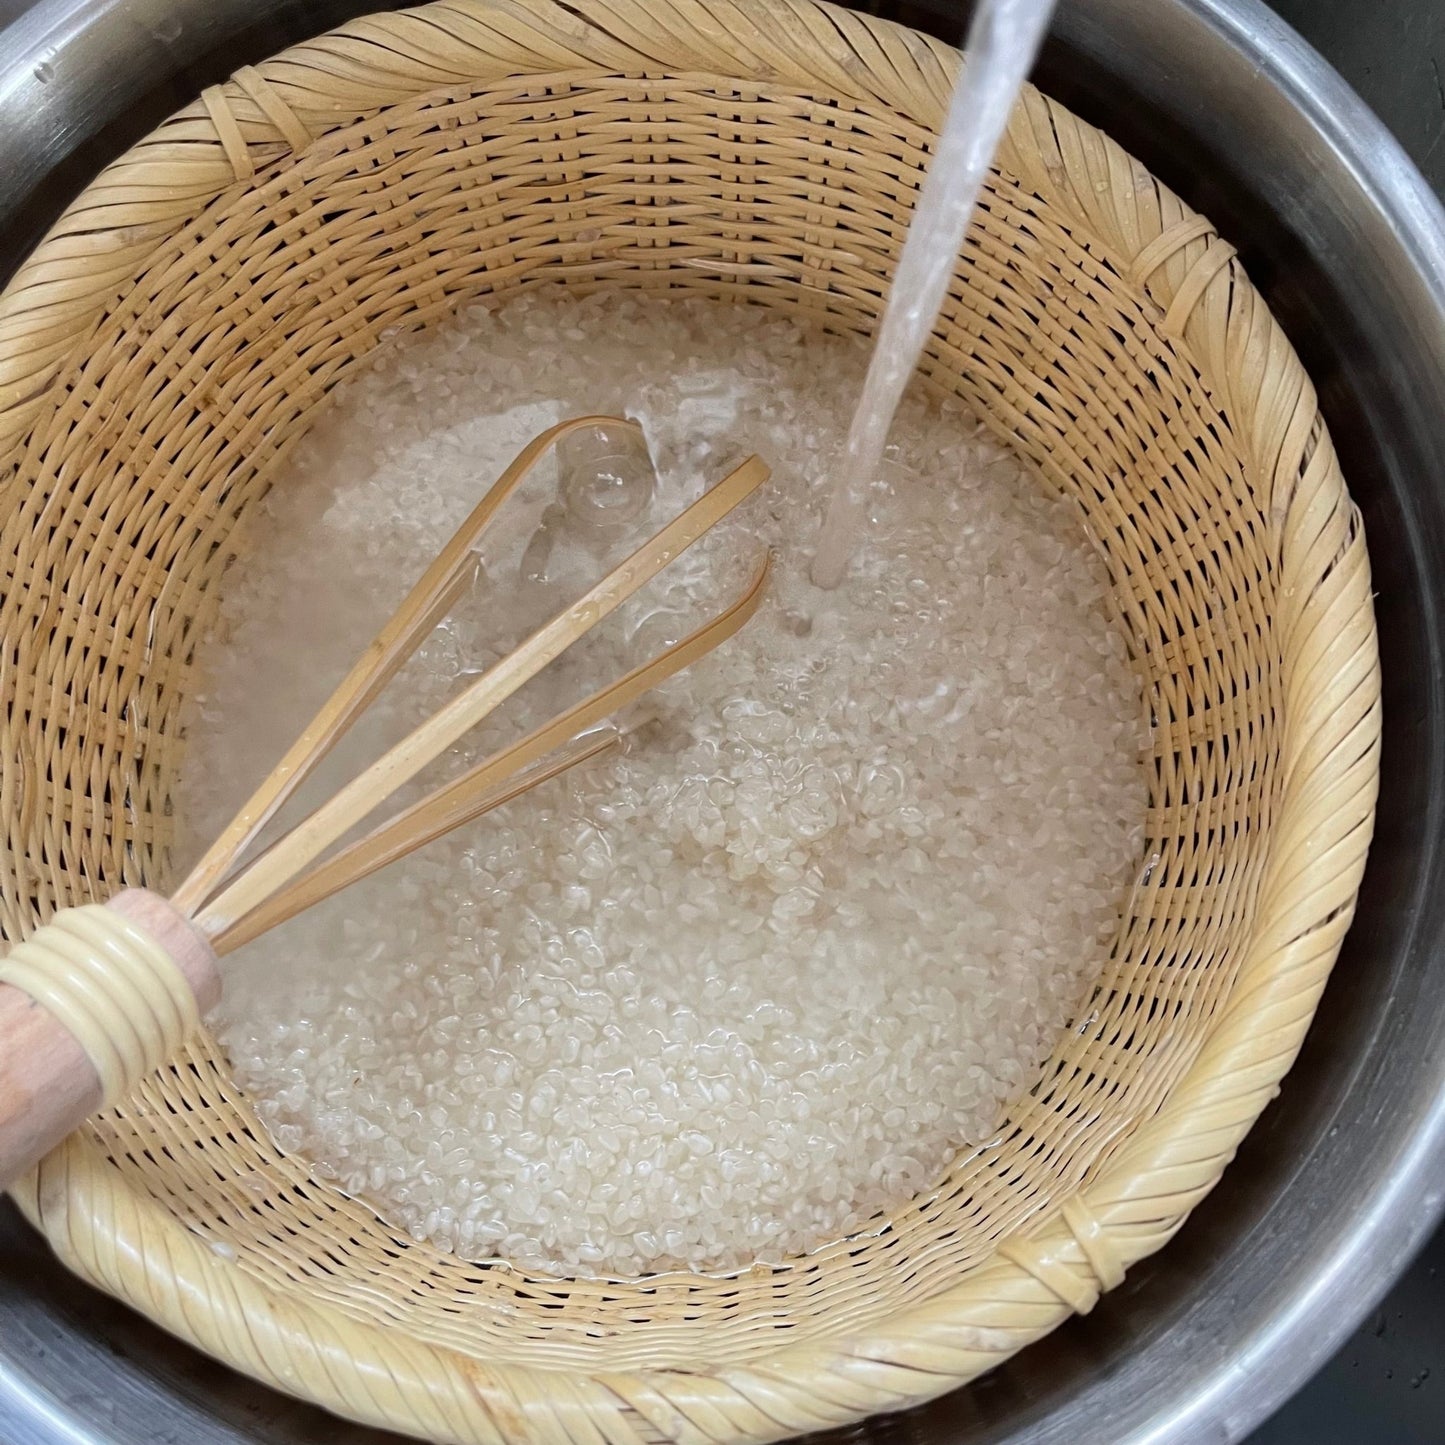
pixel 1345 1175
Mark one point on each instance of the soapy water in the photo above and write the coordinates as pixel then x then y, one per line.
pixel 1002 43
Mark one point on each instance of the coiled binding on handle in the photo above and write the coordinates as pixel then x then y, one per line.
pixel 113 986
pixel 96 1000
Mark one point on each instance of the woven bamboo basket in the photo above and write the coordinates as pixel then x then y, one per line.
pixel 174 334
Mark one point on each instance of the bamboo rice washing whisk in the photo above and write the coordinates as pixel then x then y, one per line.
pixel 103 994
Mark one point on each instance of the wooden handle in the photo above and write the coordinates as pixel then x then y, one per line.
pixel 90 1004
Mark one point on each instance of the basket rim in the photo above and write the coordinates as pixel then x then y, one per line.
pixel 1142 1193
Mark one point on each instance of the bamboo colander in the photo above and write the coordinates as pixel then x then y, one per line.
pixel 172 337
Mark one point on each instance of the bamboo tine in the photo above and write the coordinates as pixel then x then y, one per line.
pixel 495 780
pixel 424 606
pixel 274 869
pixel 323 881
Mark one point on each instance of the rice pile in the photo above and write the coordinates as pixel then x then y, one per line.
pixel 731 992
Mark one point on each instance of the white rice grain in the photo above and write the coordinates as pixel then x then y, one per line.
pixel 728 994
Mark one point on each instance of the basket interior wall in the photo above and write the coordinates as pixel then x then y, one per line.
pixel 168 421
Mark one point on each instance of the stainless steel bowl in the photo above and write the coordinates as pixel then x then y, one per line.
pixel 1345 1175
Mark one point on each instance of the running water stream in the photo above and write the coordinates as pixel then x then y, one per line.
pixel 1002 43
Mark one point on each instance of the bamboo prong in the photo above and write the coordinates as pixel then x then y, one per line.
pixel 286 859
pixel 424 606
pixel 496 780
pixel 324 880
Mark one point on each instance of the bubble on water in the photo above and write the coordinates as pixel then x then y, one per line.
pixel 607 475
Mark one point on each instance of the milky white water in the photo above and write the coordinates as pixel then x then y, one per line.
pixel 727 992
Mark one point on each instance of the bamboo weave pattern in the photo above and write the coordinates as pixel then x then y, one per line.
pixel 168 341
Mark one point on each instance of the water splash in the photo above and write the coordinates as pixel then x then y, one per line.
pixel 1002 43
